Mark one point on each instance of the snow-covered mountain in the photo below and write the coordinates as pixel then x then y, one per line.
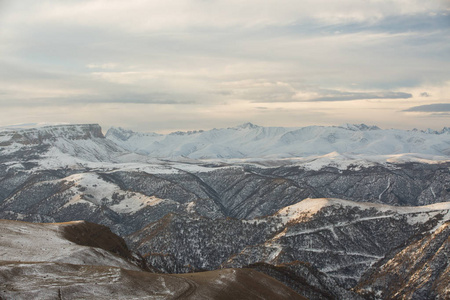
pixel 313 147
pixel 250 141
pixel 57 146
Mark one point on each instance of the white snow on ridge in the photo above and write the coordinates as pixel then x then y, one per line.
pixel 306 209
pixel 312 148
pixel 97 192
pixel 309 207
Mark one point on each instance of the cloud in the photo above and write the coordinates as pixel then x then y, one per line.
pixel 441 114
pixel 130 98
pixel 436 107
pixel 107 66
pixel 280 92
pixel 352 96
pixel 142 16
pixel 424 94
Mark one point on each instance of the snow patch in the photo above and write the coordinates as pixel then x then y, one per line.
pixel 304 210
pixel 96 192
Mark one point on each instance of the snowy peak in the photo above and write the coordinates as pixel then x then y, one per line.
pixel 247 125
pixel 119 133
pixel 359 127
pixel 445 130
pixel 123 135
pixel 182 133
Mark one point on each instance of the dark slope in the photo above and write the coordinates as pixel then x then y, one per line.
pixel 340 238
pixel 421 270
pixel 306 280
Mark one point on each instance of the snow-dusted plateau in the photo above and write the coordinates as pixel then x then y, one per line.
pixel 249 212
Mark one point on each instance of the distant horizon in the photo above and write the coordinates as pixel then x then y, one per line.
pixel 106 128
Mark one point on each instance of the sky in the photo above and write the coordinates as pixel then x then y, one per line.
pixel 172 65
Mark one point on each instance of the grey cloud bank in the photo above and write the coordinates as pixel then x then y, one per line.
pixel 437 107
pixel 348 96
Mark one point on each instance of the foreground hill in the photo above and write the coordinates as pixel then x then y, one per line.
pixel 78 242
pixel 77 260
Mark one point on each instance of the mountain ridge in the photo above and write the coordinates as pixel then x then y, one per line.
pixel 249 141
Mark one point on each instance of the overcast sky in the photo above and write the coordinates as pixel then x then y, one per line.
pixel 198 64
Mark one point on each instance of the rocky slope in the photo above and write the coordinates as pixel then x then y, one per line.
pixel 306 280
pixel 421 270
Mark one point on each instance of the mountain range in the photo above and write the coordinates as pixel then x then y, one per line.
pixel 251 198
pixel 249 141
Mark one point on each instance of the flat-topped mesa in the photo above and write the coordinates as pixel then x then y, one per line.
pixel 51 133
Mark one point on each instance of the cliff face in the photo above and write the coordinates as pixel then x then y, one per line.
pixel 56 146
